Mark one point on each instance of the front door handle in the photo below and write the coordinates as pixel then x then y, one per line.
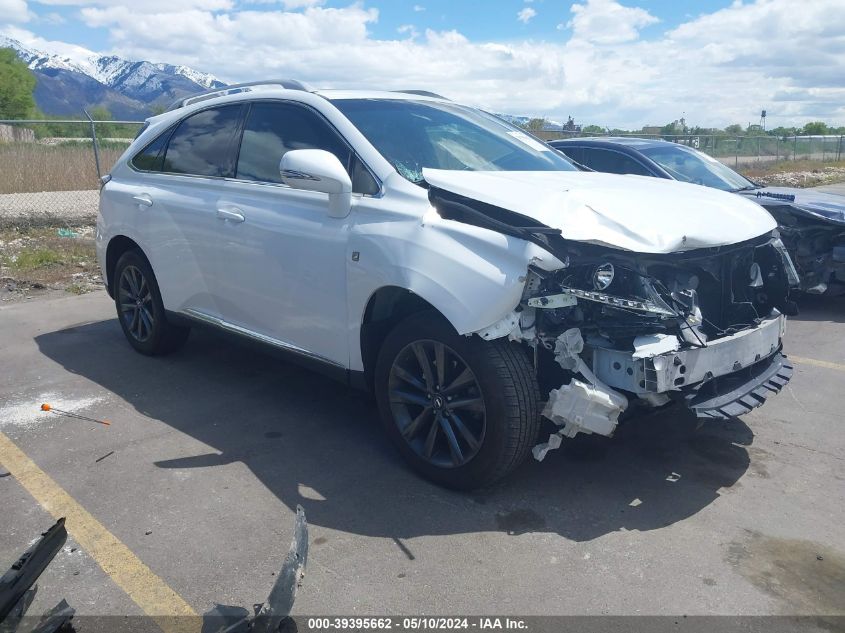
pixel 233 215
pixel 143 200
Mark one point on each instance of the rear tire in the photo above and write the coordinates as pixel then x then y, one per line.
pixel 475 427
pixel 140 310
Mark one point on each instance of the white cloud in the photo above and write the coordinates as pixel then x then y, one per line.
pixel 33 41
pixel 301 4
pixel 418 8
pixel 148 6
pixel 719 68
pixel 52 18
pixel 525 15
pixel 608 22
pixel 12 11
pixel 408 29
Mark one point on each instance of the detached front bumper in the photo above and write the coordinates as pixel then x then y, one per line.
pixel 728 377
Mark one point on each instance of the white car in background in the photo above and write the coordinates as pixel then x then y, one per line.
pixel 462 270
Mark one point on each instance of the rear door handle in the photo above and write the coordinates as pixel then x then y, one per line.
pixel 143 200
pixel 232 214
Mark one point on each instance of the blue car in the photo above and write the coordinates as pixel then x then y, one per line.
pixel 812 224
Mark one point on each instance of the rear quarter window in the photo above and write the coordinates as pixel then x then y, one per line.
pixel 150 158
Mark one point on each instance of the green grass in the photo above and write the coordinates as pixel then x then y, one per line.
pixel 34 259
pixel 77 288
pixel 41 257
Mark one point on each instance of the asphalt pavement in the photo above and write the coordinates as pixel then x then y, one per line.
pixel 210 451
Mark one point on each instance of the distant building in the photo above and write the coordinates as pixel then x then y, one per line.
pixel 15 134
pixel 570 125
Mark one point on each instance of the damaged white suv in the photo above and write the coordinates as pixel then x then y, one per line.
pixel 461 269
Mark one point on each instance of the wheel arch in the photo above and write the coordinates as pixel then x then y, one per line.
pixel 117 246
pixel 386 307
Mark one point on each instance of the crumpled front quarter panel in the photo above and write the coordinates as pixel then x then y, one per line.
pixel 473 276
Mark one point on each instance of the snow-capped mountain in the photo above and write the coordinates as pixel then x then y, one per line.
pixel 69 83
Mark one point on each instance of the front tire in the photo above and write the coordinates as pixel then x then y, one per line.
pixel 463 412
pixel 140 310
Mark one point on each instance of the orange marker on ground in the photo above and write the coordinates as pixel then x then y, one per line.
pixel 68 414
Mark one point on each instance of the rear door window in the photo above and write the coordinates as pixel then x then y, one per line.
pixel 612 162
pixel 204 144
pixel 273 129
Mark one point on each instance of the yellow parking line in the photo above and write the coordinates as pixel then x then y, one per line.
pixel 139 582
pixel 818 363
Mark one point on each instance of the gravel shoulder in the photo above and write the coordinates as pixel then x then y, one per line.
pixel 49 208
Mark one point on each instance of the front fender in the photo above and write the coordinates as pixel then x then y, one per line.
pixel 472 275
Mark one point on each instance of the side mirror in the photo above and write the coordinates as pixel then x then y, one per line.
pixel 318 170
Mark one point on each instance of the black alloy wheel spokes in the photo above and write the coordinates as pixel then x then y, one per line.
pixel 437 403
pixel 136 303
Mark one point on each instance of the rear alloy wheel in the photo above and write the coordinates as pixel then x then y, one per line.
pixel 140 309
pixel 135 302
pixel 463 412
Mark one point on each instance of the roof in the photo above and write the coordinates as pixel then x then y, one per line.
pixel 627 141
pixel 419 95
pixel 284 86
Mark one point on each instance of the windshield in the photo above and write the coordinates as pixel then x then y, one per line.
pixel 689 165
pixel 412 135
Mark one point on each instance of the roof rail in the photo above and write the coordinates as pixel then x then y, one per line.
pixel 423 93
pixel 289 84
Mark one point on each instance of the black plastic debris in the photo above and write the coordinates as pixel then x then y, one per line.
pixel 273 614
pixel 17 586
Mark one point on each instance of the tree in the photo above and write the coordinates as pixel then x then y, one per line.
pixel 675 127
pixel 735 129
pixel 593 129
pixel 104 130
pixel 814 127
pixel 536 125
pixel 782 132
pixel 16 86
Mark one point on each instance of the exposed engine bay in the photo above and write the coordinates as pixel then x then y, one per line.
pixel 613 330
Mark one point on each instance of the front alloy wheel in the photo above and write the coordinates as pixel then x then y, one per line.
pixel 462 411
pixel 437 404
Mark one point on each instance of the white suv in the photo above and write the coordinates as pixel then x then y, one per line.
pixel 465 272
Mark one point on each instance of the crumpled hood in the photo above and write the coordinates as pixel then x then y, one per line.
pixel 827 207
pixel 635 213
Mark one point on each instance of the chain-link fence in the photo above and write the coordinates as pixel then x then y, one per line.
pixel 48 169
pixel 740 150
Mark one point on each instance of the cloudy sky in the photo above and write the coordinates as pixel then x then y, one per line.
pixel 611 63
